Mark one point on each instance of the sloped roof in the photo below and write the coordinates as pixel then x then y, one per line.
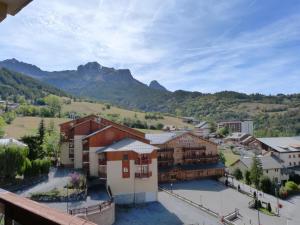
pixel 282 144
pixel 9 141
pixel 129 144
pixel 199 125
pixel 268 162
pixel 161 138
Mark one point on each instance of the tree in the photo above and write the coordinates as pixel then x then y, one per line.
pixel 12 160
pixel 51 144
pixel 34 147
pixel 266 184
pixel 224 131
pixel 222 157
pixel 54 103
pixel 256 171
pixel 2 124
pixel 237 173
pixel 247 177
pixel 41 131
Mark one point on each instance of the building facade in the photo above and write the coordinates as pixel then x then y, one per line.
pixel 203 129
pixel 113 152
pixel 272 168
pixel 185 157
pixel 286 149
pixel 241 126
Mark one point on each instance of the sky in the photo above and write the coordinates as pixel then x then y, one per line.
pixel 249 46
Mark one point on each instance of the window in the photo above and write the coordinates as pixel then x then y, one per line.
pixel 294 163
pixel 294 156
pixel 267 171
pixel 125 170
pixel 289 156
pixel 290 164
pixel 125 157
pixel 298 155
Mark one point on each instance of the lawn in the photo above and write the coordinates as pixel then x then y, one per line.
pixel 28 125
pixel 229 156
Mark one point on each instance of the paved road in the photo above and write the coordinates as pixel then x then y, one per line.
pixel 215 196
pixel 290 211
pixel 168 210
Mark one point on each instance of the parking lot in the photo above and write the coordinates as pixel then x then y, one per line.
pixel 217 197
pixel 168 210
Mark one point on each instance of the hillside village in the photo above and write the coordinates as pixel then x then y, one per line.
pixel 94 145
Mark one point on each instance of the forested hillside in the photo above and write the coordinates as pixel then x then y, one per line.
pixel 16 84
pixel 273 115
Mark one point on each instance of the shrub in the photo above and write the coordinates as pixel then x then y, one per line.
pixel 12 160
pixel 38 167
pixel 265 184
pixel 269 208
pixel 247 177
pixel 291 187
pixel 237 173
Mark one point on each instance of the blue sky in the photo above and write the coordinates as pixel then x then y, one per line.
pixel 200 45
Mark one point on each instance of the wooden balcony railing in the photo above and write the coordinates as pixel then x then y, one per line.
pixel 143 161
pixel 165 159
pixel 143 175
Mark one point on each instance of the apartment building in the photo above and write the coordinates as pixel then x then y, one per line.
pixel 185 156
pixel 120 155
pixel 241 126
pixel 286 149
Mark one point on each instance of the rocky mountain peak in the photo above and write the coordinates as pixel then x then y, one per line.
pixel 155 85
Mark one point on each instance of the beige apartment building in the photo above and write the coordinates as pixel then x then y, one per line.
pixel 115 153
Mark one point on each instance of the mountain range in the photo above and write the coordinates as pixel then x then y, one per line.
pixel 273 115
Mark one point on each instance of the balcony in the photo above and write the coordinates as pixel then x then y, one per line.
pixel 143 161
pixel 85 157
pixel 143 175
pixel 102 161
pixel 165 159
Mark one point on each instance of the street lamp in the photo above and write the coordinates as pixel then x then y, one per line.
pixel 171 187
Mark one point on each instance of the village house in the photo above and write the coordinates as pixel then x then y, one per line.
pixel 185 156
pixel 120 155
pixel 272 168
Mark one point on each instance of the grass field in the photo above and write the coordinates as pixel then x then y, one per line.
pixel 229 156
pixel 95 108
pixel 28 125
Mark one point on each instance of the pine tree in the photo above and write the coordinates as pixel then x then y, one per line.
pixel 256 171
pixel 41 131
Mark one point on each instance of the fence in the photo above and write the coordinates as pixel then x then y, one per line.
pixel 226 219
pixel 91 209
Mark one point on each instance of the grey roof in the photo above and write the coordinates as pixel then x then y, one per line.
pixel 282 144
pixel 237 135
pixel 129 144
pixel 268 162
pixel 11 141
pixel 161 138
pixel 201 124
